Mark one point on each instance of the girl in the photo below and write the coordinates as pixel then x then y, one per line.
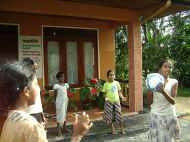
pixel 19 87
pixel 36 109
pixel 164 124
pixel 61 103
pixel 112 107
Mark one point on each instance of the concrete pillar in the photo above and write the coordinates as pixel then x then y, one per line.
pixel 135 67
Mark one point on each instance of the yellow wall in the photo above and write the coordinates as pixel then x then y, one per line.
pixel 31 25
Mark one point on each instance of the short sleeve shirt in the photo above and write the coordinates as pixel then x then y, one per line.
pixel 111 89
pixel 21 127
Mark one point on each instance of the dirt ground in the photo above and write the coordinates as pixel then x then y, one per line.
pixel 183 107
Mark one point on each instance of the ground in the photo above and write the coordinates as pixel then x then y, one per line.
pixel 136 127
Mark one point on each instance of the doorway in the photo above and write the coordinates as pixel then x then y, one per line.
pixel 72 51
pixel 8 43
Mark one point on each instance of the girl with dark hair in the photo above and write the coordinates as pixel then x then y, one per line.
pixel 19 86
pixel 36 109
pixel 61 103
pixel 112 107
pixel 164 125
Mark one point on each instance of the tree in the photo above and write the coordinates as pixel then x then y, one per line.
pixel 180 47
pixel 121 53
pixel 161 38
pixel 155 44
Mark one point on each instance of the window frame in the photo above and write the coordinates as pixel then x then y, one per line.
pixel 80 59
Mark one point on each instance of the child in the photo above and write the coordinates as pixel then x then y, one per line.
pixel 164 125
pixel 36 109
pixel 19 87
pixel 61 103
pixel 112 107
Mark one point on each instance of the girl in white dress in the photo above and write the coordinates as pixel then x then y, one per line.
pixel 61 103
pixel 164 125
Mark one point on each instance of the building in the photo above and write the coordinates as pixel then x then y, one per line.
pixel 78 36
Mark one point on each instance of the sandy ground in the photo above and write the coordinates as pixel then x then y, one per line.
pixel 183 106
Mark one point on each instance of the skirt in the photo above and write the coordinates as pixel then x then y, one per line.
pixel 163 128
pixel 112 112
pixel 61 111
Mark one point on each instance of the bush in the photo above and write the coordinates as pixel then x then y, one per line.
pixel 184 92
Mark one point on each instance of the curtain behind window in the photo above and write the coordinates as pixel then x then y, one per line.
pixel 72 64
pixel 89 60
pixel 53 61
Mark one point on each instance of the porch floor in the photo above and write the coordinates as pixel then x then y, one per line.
pixel 95 114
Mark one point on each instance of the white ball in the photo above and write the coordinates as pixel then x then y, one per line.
pixel 153 80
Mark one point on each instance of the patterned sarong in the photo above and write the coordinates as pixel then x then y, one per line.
pixel 112 112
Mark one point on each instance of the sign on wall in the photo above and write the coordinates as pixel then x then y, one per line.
pixel 30 46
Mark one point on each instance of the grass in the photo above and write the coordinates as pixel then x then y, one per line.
pixel 184 92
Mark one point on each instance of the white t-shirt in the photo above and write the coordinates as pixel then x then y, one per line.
pixel 21 127
pixel 160 104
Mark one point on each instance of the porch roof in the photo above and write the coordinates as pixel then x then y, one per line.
pixel 145 8
pixel 123 11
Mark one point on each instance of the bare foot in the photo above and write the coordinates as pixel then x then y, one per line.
pixel 122 132
pixel 114 132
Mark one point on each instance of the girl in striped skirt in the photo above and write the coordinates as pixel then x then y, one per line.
pixel 112 107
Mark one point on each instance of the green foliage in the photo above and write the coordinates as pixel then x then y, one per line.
pixel 165 37
pixel 184 92
pixel 121 53
pixel 91 96
pixel 72 105
pixel 151 58
pixel 73 90
pixel 84 93
pixel 174 43
pixel 49 99
pixel 180 48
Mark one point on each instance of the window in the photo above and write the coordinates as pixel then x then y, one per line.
pixel 72 51
pixel 89 60
pixel 53 61
pixel 72 66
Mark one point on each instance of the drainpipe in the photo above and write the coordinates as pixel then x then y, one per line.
pixel 158 11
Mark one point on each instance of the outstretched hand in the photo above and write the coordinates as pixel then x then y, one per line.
pixel 81 126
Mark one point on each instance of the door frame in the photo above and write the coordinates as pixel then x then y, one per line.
pixel 44 45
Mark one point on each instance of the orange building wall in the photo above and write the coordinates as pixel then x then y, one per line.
pixel 31 24
pixel 107 51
